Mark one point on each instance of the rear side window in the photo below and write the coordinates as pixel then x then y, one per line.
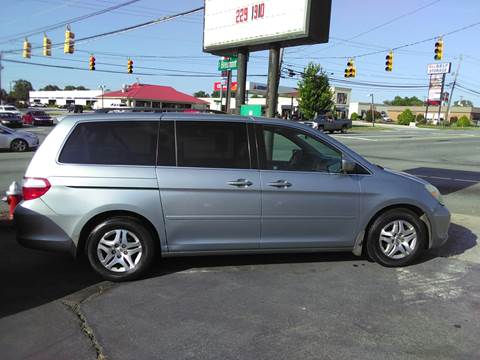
pixel 212 144
pixel 112 143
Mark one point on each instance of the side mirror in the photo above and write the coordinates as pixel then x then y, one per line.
pixel 348 165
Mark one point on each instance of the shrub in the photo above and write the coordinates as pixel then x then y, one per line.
pixel 368 115
pixel 421 119
pixel 406 117
pixel 464 121
pixel 354 116
pixel 453 119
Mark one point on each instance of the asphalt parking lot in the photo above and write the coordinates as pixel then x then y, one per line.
pixel 298 306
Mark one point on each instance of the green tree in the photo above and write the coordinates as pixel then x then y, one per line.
pixel 420 119
pixel 406 117
pixel 50 88
pixel 354 116
pixel 3 95
pixel 404 101
pixel 315 94
pixel 21 90
pixel 201 94
pixel 463 103
pixel 81 88
pixel 69 88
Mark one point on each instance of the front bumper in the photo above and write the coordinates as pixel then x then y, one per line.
pixel 439 224
pixel 12 124
pixel 36 229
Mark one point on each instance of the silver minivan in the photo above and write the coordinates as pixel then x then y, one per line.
pixel 125 188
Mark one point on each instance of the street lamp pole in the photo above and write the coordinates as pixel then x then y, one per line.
pixel 372 111
pixel 102 87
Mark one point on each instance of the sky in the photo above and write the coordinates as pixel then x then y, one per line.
pixel 356 27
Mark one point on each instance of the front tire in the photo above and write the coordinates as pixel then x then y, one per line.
pixel 396 238
pixel 19 145
pixel 120 249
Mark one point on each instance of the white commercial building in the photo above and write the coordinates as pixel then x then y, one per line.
pixel 65 97
pixel 287 98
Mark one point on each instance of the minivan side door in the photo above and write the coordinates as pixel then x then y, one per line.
pixel 211 191
pixel 307 202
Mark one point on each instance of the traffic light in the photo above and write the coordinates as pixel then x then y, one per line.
pixel 438 49
pixel 389 61
pixel 92 63
pixel 27 49
pixel 47 46
pixel 130 66
pixel 350 71
pixel 69 45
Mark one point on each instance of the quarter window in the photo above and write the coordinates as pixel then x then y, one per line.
pixel 290 150
pixel 212 144
pixel 112 143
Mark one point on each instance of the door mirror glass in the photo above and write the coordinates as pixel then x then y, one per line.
pixel 348 166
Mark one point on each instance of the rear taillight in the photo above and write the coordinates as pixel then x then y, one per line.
pixel 33 188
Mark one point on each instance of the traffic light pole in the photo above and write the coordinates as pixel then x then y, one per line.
pixel 453 88
pixel 1 67
pixel 273 80
pixel 242 62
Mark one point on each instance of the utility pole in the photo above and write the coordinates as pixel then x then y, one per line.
pixel 273 80
pixel 453 88
pixel 1 67
pixel 229 92
pixel 242 61
pixel 372 111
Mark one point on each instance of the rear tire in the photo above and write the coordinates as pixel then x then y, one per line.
pixel 121 248
pixel 396 238
pixel 344 130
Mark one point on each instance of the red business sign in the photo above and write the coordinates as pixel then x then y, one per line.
pixel 217 84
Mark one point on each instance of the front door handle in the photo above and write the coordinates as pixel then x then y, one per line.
pixel 283 184
pixel 242 183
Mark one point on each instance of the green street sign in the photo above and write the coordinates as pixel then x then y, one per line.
pixel 230 64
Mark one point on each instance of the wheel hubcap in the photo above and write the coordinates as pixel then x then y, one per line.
pixel 398 239
pixel 18 146
pixel 119 250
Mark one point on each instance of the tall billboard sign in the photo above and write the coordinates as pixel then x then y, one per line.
pixel 256 25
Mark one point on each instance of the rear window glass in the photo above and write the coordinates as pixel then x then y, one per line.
pixel 10 108
pixel 39 113
pixel 112 143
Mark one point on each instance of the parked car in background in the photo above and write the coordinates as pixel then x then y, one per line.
pixel 77 109
pixel 11 119
pixel 10 109
pixel 37 117
pixel 328 123
pixel 17 140
pixel 125 188
pixel 38 105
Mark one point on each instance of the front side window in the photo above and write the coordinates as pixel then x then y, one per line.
pixel 212 144
pixel 112 143
pixel 291 150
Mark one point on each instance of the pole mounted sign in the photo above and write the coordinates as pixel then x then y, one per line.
pixel 256 25
pixel 439 68
pixel 228 63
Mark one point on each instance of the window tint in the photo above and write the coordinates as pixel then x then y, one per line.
pixel 289 150
pixel 112 143
pixel 212 144
pixel 166 144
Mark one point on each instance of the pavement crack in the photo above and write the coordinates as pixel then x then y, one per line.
pixel 74 305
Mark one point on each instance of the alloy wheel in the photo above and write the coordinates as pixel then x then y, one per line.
pixel 398 239
pixel 119 250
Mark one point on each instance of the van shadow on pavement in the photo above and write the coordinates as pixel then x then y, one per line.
pixel 447 180
pixel 31 278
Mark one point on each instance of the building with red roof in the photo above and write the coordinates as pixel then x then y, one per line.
pixel 151 96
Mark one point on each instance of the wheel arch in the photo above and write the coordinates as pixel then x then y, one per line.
pixel 360 241
pixel 97 219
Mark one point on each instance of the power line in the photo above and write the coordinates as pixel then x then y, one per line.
pixel 66 22
pixel 192 75
pixel 123 30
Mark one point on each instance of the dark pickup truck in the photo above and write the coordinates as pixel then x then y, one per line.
pixel 325 123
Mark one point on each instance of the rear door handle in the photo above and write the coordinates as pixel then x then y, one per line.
pixel 242 183
pixel 283 184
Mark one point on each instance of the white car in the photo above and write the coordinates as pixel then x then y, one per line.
pixel 17 141
pixel 10 109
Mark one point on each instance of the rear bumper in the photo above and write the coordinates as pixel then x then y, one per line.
pixel 36 230
pixel 439 224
